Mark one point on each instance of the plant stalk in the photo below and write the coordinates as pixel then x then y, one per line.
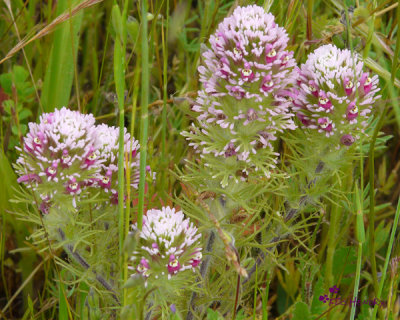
pixel 144 121
pixel 387 259
pixel 69 248
pixel 205 264
pixel 165 93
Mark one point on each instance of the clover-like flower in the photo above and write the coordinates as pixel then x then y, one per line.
pixel 168 245
pixel 248 57
pixel 108 154
pixel 246 76
pixel 335 95
pixel 59 156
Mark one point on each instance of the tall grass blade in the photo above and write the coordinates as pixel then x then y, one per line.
pixel 83 295
pixel 119 75
pixel 62 298
pixel 27 280
pixel 388 254
pixel 144 121
pixel 361 239
pixel 9 183
pixel 397 49
pixel 164 111
pixel 60 72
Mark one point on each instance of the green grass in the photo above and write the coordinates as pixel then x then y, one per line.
pixel 134 65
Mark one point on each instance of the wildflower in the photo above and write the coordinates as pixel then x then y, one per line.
pixel 245 98
pixel 168 245
pixel 58 155
pixel 335 94
pixel 248 56
pixel 108 152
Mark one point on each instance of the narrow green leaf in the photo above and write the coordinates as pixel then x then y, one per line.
pixel 84 288
pixel 144 122
pixel 360 231
pixel 63 304
pixel 388 254
pixel 60 71
pixel 9 183
pixel 117 22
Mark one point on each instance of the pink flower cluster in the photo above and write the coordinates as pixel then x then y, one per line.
pixel 168 245
pixel 248 57
pixel 245 75
pixel 66 154
pixel 335 95
pixel 108 157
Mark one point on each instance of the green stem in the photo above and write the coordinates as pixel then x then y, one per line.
pixel 310 4
pixel 255 295
pixel 76 256
pixel 388 253
pixel 360 234
pixel 371 26
pixel 397 49
pixel 203 271
pixel 136 80
pixel 144 121
pixel 332 233
pixel 120 93
pixel 357 280
pixel 371 214
pixel 119 74
pixel 164 111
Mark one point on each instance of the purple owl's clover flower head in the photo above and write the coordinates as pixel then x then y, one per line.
pixel 335 95
pixel 247 75
pixel 168 245
pixel 66 154
pixel 107 178
pixel 248 56
pixel 58 155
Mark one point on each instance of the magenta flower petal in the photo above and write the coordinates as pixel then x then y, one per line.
pixel 29 178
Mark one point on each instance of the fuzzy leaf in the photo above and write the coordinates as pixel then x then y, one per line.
pixel 6 83
pixel 301 311
pixel 20 75
pixel 213 315
pixel 344 263
pixel 25 113
pixel 317 306
pixel 134 281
